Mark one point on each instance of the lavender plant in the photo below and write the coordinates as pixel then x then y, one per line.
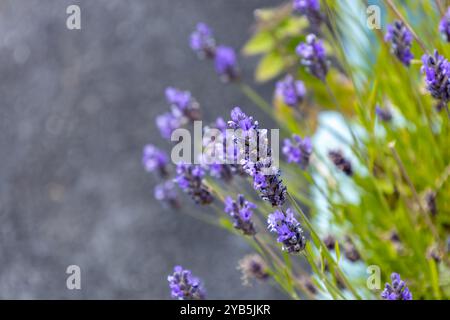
pixel 369 178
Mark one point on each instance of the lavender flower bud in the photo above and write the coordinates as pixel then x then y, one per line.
pixel 384 114
pixel 202 41
pixel 298 150
pixel 167 123
pixel 430 202
pixel 289 230
pixel 184 286
pixel 434 253
pixel 309 8
pixel 313 56
pixel 329 242
pixel 401 39
pixel 183 104
pixel 340 162
pixel 291 91
pixel 165 192
pixel 397 291
pixel 154 159
pixel 253 266
pixel 190 180
pixel 444 25
pixel 437 71
pixel 241 211
pixel 350 251
pixel 226 63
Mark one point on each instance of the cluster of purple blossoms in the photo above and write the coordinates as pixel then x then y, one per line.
pixel 167 123
pixel 385 114
pixel 183 104
pixel 444 25
pixel 289 230
pixel 341 162
pixel 397 291
pixel 437 77
pixel 241 211
pixel 190 180
pixel 401 39
pixel 166 193
pixel 155 159
pixel 309 8
pixel 253 266
pixel 313 56
pixel 298 150
pixel 225 60
pixel 291 91
pixel 184 286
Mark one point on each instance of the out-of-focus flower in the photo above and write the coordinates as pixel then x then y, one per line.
pixel 313 56
pixel 444 25
pixel 225 62
pixel 397 291
pixel 167 123
pixel 350 251
pixel 434 253
pixel 184 286
pixel 340 162
pixel 289 230
pixel 384 114
pixel 329 242
pixel 241 211
pixel 430 202
pixel 401 39
pixel 166 192
pixel 154 159
pixel 183 104
pixel 437 77
pixel 253 266
pixel 309 8
pixel 291 91
pixel 190 179
pixel 202 41
pixel 298 150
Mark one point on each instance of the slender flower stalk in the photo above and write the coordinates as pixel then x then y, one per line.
pixel 184 286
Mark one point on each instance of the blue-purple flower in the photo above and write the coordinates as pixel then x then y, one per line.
pixel 401 39
pixel 444 25
pixel 202 41
pixel 154 159
pixel 288 229
pixel 397 291
pixel 166 193
pixel 241 212
pixel 190 180
pixel 341 162
pixel 437 77
pixel 184 286
pixel 309 8
pixel 182 103
pixel 385 114
pixel 167 123
pixel 291 91
pixel 225 62
pixel 298 150
pixel 313 56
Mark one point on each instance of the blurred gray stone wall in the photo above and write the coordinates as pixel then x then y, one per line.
pixel 76 107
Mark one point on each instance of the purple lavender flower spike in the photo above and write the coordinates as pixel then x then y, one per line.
pixel 437 72
pixel 298 150
pixel 190 180
pixel 167 123
pixel 310 9
pixel 226 63
pixel 397 291
pixel 154 159
pixel 183 104
pixel 291 91
pixel 202 41
pixel 384 114
pixel 184 286
pixel 341 162
pixel 166 193
pixel 444 25
pixel 289 231
pixel 313 56
pixel 241 211
pixel 401 39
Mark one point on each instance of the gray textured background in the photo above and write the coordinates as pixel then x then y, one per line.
pixel 76 109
